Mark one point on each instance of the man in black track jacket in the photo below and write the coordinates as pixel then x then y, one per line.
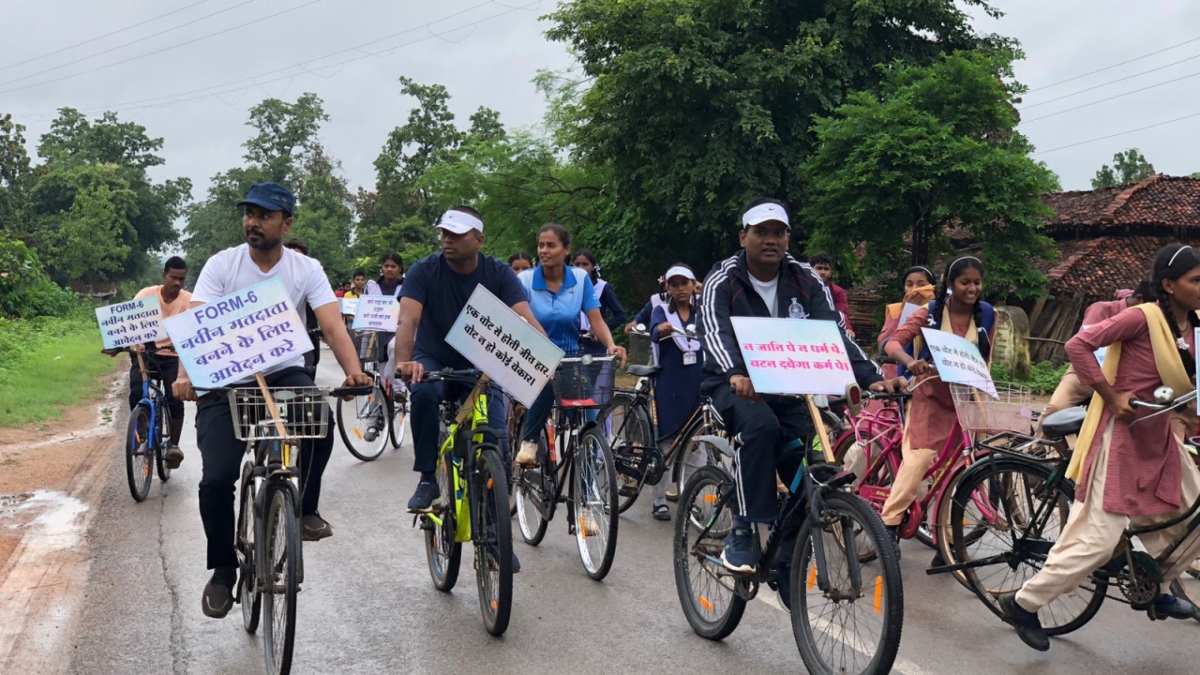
pixel 762 280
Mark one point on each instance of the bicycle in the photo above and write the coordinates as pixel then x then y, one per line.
pixel 272 421
pixel 367 423
pixel 575 456
pixel 1023 483
pixel 821 525
pixel 149 422
pixel 473 489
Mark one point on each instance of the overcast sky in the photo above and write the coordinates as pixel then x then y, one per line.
pixel 194 83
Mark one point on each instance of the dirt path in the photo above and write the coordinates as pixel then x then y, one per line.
pixel 50 476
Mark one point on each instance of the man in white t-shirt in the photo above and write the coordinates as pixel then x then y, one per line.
pixel 267 220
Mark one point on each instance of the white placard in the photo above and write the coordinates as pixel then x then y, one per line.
pixel 131 323
pixel 246 332
pixel 958 360
pixel 349 306
pixel 377 313
pixel 790 356
pixel 499 342
pixel 906 312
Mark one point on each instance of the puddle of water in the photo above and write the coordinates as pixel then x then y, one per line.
pixel 58 524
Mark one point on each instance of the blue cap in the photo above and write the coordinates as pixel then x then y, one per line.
pixel 270 196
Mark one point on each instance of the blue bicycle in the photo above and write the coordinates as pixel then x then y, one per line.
pixel 149 422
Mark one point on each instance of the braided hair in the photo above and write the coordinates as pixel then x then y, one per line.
pixel 1172 262
pixel 945 293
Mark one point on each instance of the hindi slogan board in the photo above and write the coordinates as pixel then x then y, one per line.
pixel 786 356
pixel 499 342
pixel 243 333
pixel 959 361
pixel 377 313
pixel 349 306
pixel 130 323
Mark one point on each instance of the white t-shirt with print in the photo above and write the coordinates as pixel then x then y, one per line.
pixel 232 270
pixel 767 290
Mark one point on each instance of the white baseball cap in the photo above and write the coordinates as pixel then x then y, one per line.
pixel 764 212
pixel 679 271
pixel 459 222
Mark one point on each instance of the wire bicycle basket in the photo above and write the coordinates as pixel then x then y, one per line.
pixel 1010 411
pixel 585 382
pixel 302 410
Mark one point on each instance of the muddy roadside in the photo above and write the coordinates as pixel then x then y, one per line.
pixel 51 474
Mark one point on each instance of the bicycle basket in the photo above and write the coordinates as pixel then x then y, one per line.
pixel 584 382
pixel 303 409
pixel 371 351
pixel 1011 410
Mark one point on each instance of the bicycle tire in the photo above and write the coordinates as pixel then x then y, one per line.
pixel 442 553
pixel 493 543
pixel 139 453
pixel 351 420
pixel 283 551
pixel 532 486
pixel 160 458
pixel 700 605
pixel 397 428
pixel 595 503
pixel 1065 614
pixel 624 437
pixel 887 599
pixel 249 594
pixel 945 533
pixel 683 471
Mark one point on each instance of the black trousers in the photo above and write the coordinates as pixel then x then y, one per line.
pixel 221 454
pixel 424 399
pixel 763 428
pixel 168 367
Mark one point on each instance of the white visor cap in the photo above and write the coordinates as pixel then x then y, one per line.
pixel 679 271
pixel 763 213
pixel 459 222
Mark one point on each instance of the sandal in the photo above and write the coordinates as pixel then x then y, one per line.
pixel 661 512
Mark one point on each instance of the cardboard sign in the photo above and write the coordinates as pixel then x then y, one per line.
pixel 131 323
pixel 377 313
pixel 349 306
pixel 246 332
pixel 789 356
pixel 959 361
pixel 499 342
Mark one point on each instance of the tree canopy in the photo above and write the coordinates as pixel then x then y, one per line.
pixel 1128 167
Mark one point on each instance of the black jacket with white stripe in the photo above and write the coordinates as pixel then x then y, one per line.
pixel 728 292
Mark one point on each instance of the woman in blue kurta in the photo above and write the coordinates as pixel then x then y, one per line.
pixel 681 359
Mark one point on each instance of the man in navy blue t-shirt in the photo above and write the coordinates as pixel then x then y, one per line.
pixel 435 291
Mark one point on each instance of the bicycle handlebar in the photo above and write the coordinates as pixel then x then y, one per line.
pixel 453 374
pixel 1161 407
pixel 334 392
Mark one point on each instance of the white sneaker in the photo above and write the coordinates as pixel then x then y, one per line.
pixel 527 455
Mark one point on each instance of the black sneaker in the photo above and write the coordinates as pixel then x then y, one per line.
pixel 314 528
pixel 423 497
pixel 738 554
pixel 173 457
pixel 218 593
pixel 1172 607
pixel 516 563
pixel 1029 627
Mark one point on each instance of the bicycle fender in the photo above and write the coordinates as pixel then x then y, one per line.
pixel 717 442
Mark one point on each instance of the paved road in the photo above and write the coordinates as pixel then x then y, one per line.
pixel 368 606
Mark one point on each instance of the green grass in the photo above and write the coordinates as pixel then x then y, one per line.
pixel 47 365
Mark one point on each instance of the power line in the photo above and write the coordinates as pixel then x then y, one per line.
pixel 1105 84
pixel 1116 65
pixel 253 80
pixel 1121 133
pixel 164 49
pixel 1104 100
pixel 101 37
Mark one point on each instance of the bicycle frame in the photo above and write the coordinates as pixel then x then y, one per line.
pixel 462 462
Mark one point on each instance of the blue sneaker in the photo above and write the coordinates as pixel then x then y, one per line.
pixel 426 493
pixel 1172 607
pixel 738 554
pixel 516 563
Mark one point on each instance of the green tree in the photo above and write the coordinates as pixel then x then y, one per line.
pixel 14 172
pixel 936 147
pixel 324 219
pixel 215 223
pixel 1128 167
pixel 286 135
pixel 698 106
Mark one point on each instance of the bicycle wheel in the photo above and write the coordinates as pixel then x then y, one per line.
pixel 854 626
pixel 249 595
pixel 594 495
pixel 535 488
pixel 945 533
pixel 1187 586
pixel 693 455
pixel 442 552
pixel 282 550
pixel 160 458
pixel 706 588
pixel 1011 513
pixel 493 543
pixel 627 427
pixel 397 427
pixel 516 424
pixel 364 424
pixel 139 455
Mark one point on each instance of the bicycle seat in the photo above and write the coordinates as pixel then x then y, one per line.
pixel 644 371
pixel 1064 422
